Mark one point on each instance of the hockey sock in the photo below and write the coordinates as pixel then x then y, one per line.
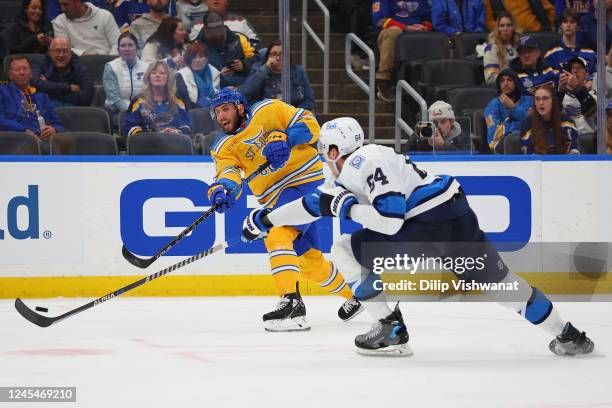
pixel 378 307
pixel 531 303
pixel 284 263
pixel 315 267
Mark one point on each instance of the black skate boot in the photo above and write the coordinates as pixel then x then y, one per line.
pixel 388 337
pixel 571 342
pixel 349 309
pixel 289 315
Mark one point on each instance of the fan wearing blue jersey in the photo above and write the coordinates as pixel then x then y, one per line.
pixel 402 206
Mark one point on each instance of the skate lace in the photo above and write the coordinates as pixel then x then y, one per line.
pixel 349 305
pixel 282 303
pixel 375 331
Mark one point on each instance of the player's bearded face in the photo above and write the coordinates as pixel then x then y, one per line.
pixel 229 117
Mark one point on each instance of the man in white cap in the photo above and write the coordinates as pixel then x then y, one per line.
pixel 442 132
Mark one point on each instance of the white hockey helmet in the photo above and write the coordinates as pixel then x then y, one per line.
pixel 345 134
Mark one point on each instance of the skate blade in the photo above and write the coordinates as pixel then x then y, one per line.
pixel 361 309
pixel 287 325
pixel 400 350
pixel 561 351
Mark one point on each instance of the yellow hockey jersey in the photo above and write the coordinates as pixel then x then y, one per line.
pixel 241 151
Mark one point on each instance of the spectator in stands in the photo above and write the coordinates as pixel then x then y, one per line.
pixel 546 130
pixel 579 102
pixel 609 127
pixel 579 6
pixel 264 81
pixel 144 26
pixel 190 12
pixel 127 11
pixel 54 7
pixel 391 18
pixel 505 113
pixel 32 31
pixel 234 22
pixel 123 77
pixel 198 80
pixel 530 15
pixel 446 135
pixel 587 36
pixel 608 76
pixel 62 77
pixel 228 51
pixel 91 30
pixel 157 109
pixel 531 68
pixel 23 108
pixel 501 49
pixel 569 48
pixel 451 18
pixel 167 43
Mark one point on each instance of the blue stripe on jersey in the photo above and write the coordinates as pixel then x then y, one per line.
pixel 426 192
pixel 298 134
pixel 392 205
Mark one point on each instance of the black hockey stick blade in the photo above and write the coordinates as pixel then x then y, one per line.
pixel 31 315
pixel 134 260
pixel 146 262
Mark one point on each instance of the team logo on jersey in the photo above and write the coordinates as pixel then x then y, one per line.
pixel 357 161
pixel 255 143
pixel 406 8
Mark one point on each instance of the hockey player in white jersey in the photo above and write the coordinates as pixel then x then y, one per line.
pixel 399 204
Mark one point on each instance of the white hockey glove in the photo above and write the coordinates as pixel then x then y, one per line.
pixel 337 202
pixel 255 225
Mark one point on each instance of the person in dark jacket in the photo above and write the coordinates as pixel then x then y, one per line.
pixel 67 82
pixel 532 70
pixel 23 108
pixel 505 112
pixel 451 18
pixel 230 52
pixel 264 81
pixel 32 31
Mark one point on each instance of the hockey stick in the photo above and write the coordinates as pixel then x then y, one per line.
pixel 46 321
pixel 145 262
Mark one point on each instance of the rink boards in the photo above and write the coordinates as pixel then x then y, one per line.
pixel 63 222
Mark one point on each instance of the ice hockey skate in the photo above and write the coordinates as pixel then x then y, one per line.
pixel 388 337
pixel 289 315
pixel 349 309
pixel 571 342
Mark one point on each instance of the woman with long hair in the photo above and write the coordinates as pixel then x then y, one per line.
pixel 547 130
pixel 123 76
pixel 32 32
pixel 501 49
pixel 198 80
pixel 157 109
pixel 167 43
pixel 264 80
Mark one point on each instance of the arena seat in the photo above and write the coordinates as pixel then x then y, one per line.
pixel 83 143
pixel 468 100
pixel 35 59
pixel 95 64
pixel 202 121
pixel 145 143
pixel 18 143
pixel 412 49
pixel 479 128
pixel 465 43
pixel 441 75
pixel 84 119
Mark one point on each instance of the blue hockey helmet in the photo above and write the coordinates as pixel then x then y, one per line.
pixel 226 95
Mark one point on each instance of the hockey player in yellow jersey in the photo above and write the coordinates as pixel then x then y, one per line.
pixel 283 135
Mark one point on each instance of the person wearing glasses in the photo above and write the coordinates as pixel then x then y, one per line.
pixel 264 81
pixel 23 108
pixel 548 130
pixel 62 77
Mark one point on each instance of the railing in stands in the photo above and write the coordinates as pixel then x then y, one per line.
pixel 367 88
pixel 400 124
pixel 323 45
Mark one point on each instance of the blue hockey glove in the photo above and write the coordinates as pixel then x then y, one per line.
pixel 276 150
pixel 337 203
pixel 255 225
pixel 219 195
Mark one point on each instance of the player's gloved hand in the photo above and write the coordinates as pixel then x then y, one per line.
pixel 220 195
pixel 337 202
pixel 255 225
pixel 276 150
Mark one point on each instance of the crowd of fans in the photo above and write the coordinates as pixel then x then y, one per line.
pixel 171 56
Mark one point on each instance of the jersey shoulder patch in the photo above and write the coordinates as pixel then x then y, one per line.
pixel 357 161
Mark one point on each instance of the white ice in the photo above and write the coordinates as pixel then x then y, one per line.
pixel 213 352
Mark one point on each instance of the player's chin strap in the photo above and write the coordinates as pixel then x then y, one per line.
pixel 145 262
pixel 46 321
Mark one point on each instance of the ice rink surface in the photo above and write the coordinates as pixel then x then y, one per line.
pixel 213 352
